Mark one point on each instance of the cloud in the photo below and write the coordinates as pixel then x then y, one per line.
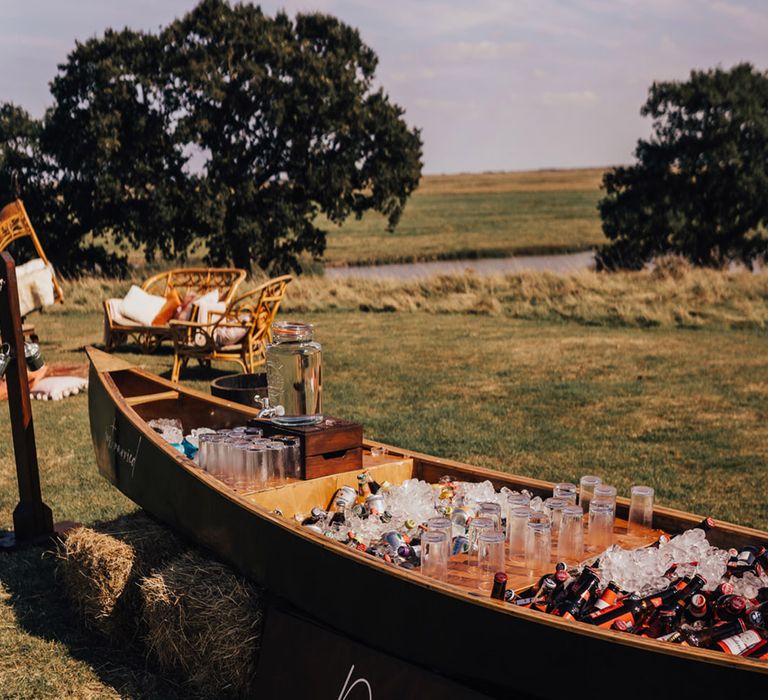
pixel 481 50
pixel 571 97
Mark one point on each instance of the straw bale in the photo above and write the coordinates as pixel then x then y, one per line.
pixel 101 566
pixel 204 623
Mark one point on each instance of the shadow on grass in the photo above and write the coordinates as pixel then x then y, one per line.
pixel 28 577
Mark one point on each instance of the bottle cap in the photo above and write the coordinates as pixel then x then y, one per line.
pixel 500 577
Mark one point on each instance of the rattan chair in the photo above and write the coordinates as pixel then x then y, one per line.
pixel 200 280
pixel 248 319
pixel 15 224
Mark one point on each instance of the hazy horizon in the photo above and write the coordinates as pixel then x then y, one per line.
pixel 495 86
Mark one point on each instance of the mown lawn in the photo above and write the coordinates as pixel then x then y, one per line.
pixel 682 410
pixel 479 215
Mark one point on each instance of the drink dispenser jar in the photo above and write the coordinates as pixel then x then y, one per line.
pixel 294 374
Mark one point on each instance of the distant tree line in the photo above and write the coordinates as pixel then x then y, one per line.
pixel 699 188
pixel 227 129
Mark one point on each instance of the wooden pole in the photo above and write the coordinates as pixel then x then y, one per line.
pixel 32 519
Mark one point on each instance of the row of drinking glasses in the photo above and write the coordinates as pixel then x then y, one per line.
pixel 530 534
pixel 245 460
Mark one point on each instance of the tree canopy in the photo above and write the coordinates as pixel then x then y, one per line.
pixel 228 129
pixel 699 187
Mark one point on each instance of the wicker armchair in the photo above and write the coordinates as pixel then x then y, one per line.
pixel 14 224
pixel 238 334
pixel 118 330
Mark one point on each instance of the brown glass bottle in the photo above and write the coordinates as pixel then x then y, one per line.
pixel 499 585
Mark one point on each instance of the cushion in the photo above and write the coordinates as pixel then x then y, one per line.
pixel 34 265
pixel 171 306
pixel 117 317
pixel 35 286
pixel 140 306
pixel 207 303
pixel 184 312
pixel 57 388
pixel 228 335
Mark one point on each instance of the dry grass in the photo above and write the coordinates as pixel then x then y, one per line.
pixel 672 295
pixel 204 622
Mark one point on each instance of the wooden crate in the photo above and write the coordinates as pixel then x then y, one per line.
pixel 330 447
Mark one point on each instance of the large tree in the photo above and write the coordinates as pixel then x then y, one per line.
pixel 289 125
pixel 227 128
pixel 699 187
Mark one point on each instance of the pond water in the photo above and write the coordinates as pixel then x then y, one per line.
pixel 566 262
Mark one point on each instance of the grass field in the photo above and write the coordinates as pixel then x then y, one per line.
pixel 490 215
pixel 679 408
pixel 660 378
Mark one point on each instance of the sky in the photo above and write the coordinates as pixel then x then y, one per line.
pixel 492 84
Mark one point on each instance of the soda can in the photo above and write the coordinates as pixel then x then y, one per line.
pixel 394 539
pixel 375 504
pixel 460 545
pixel 343 498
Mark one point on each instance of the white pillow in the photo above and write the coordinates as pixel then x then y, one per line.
pixel 207 303
pixel 57 388
pixel 34 265
pixel 35 289
pixel 140 306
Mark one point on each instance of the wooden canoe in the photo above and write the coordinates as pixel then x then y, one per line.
pixel 403 614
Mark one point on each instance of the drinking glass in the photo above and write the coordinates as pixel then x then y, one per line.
pixel 435 549
pixel 440 524
pixel 538 543
pixel 566 491
pixel 640 509
pixel 239 473
pixel 515 500
pixel 553 507
pixel 586 489
pixel 256 467
pixel 491 510
pixel 606 492
pixel 570 543
pixel 490 557
pixel 292 457
pixel 601 518
pixel 517 526
pixel 476 526
pixel 204 454
pixel 276 454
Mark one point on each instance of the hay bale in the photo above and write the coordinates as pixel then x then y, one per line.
pixel 205 623
pixel 100 568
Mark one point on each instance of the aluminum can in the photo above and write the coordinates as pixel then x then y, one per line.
pixel 375 504
pixel 460 545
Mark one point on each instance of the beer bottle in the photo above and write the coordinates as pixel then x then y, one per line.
pixel 745 560
pixel 697 610
pixel 740 643
pixel 363 488
pixel 758 651
pixel 561 577
pixel 579 594
pixel 499 586
pixel 662 625
pixel 729 607
pixel 707 524
pixel 679 602
pixel 711 635
pixel 608 597
pixel 373 484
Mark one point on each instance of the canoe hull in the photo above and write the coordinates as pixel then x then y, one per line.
pixel 475 642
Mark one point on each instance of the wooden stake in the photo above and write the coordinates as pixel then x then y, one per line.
pixel 32 519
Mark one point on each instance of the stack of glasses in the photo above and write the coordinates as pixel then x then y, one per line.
pixel 535 536
pixel 244 460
